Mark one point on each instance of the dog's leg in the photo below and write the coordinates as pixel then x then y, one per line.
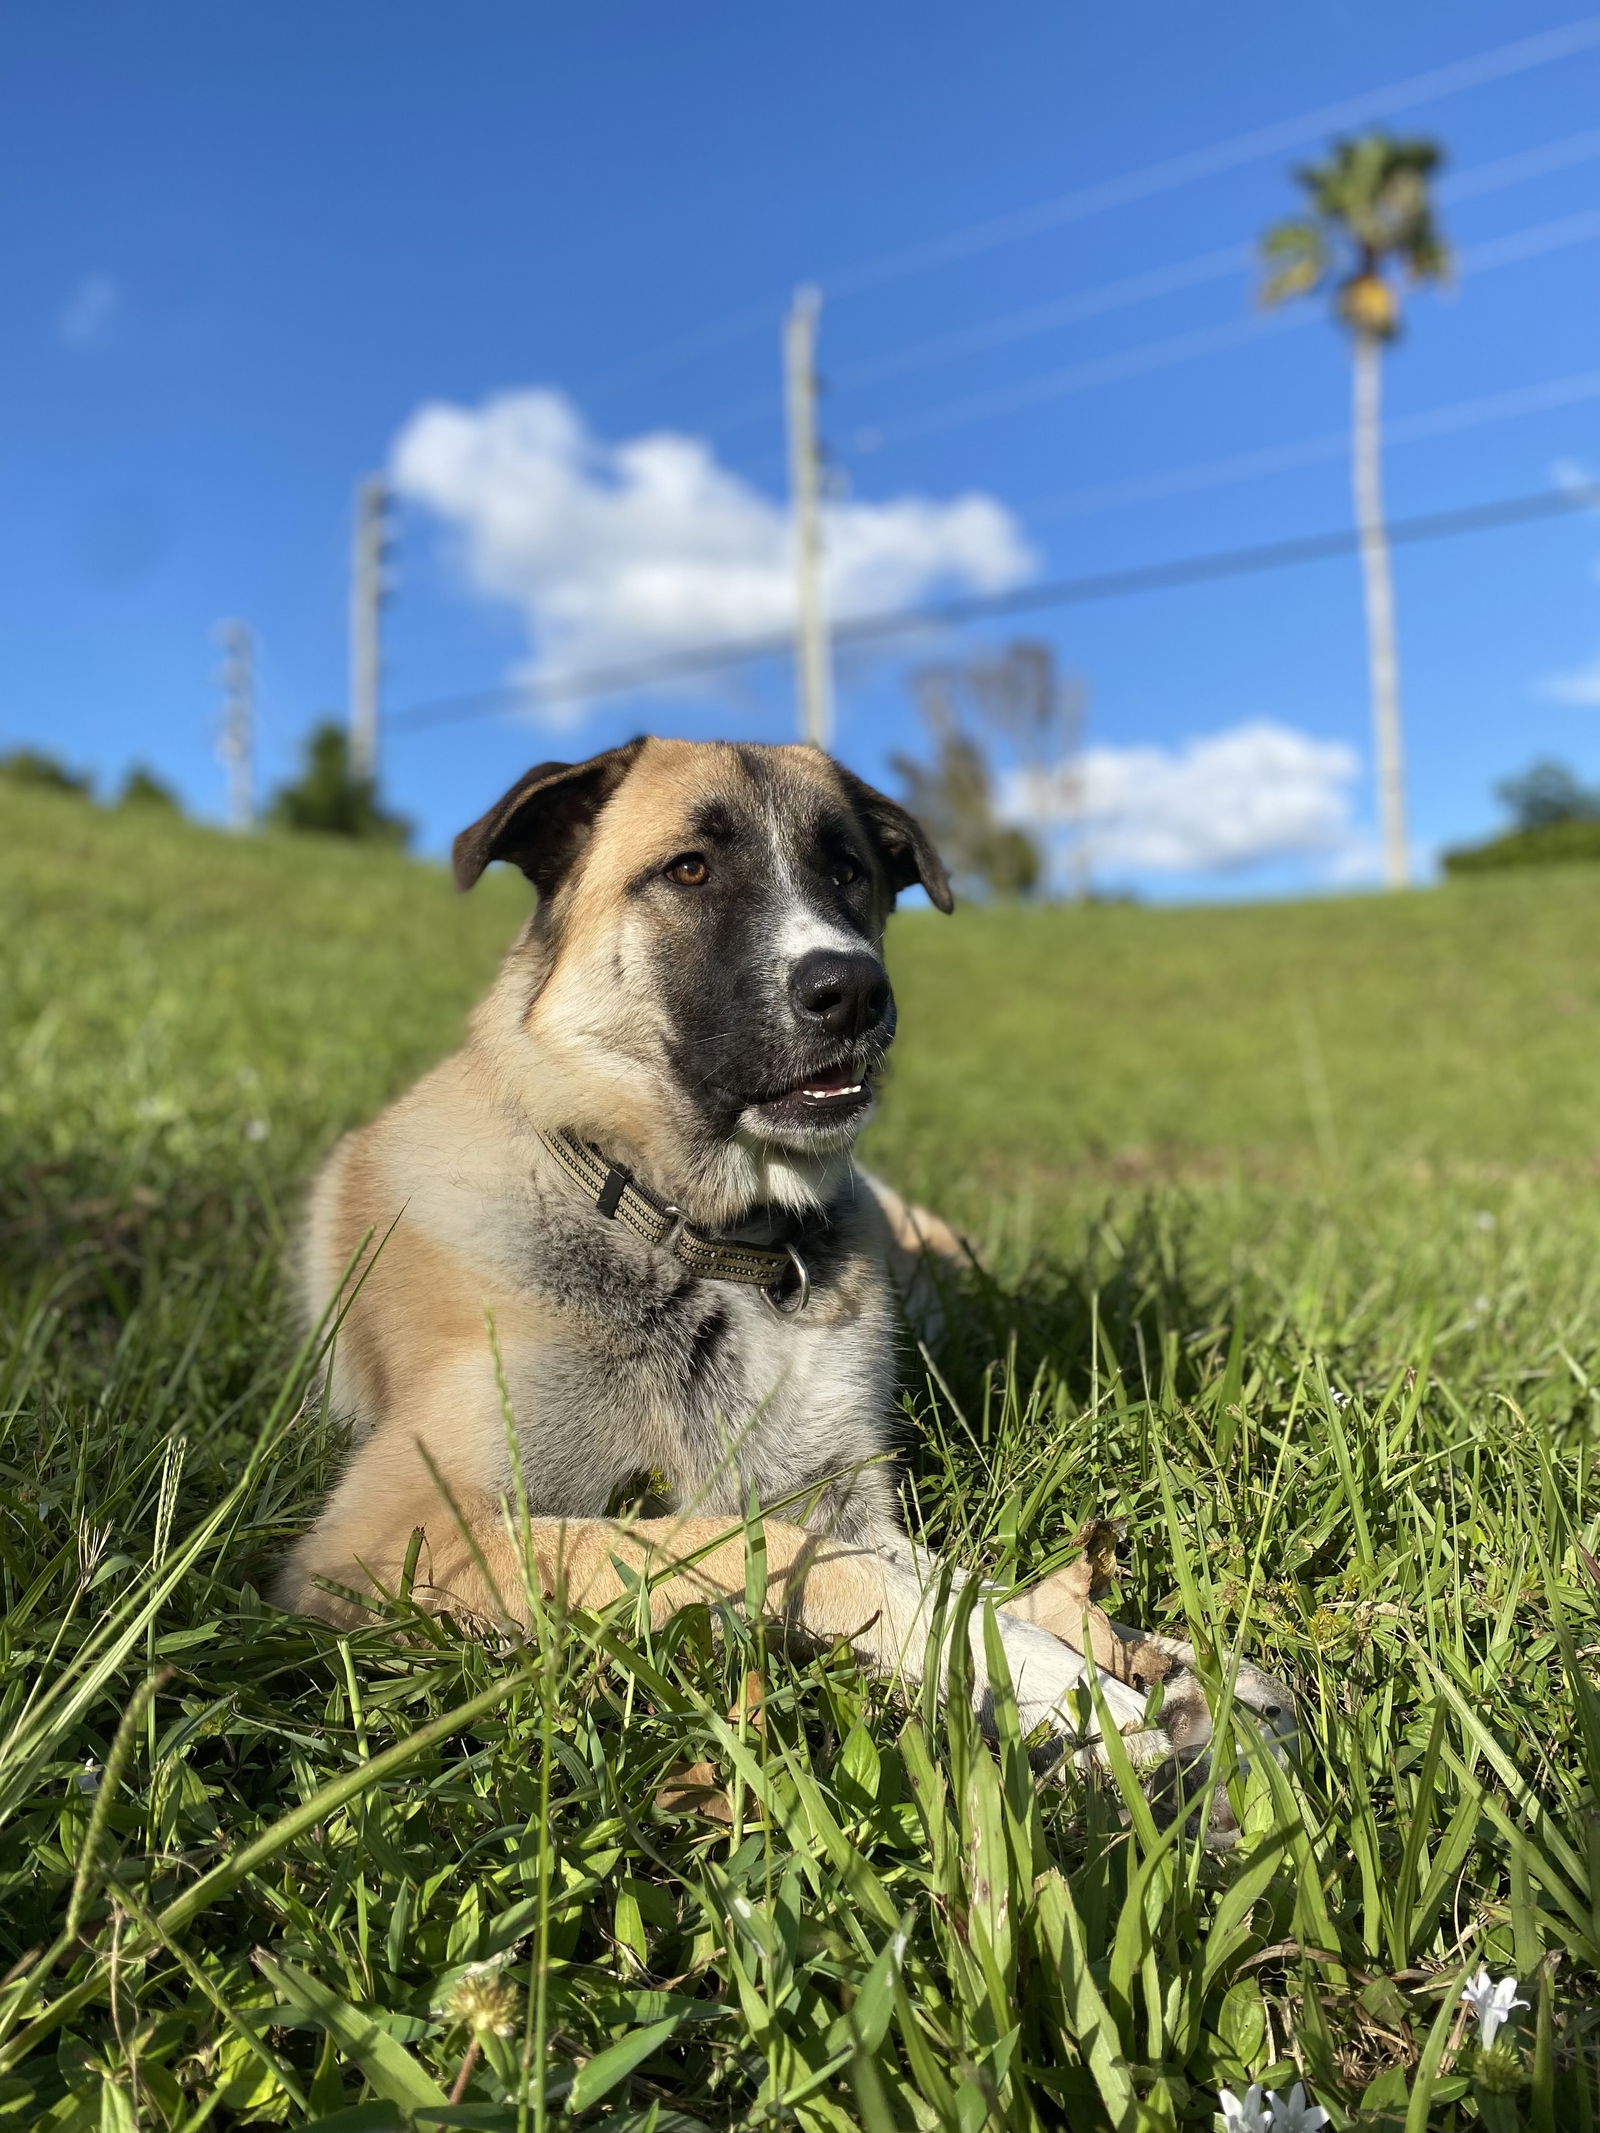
pixel 479 1567
pixel 1145 1657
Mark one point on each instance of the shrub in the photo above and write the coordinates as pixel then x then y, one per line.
pixel 329 798
pixel 1553 844
pixel 31 766
pixel 142 788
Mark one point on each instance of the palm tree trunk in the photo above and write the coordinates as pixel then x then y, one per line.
pixel 1383 659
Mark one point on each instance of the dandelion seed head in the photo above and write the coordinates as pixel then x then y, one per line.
pixel 484 2000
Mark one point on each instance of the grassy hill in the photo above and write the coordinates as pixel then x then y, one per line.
pixel 1291 1243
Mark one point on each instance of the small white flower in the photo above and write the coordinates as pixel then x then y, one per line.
pixel 1338 1397
pixel 1491 2003
pixel 256 1129
pixel 1246 2113
pixel 1293 2114
pixel 1258 2112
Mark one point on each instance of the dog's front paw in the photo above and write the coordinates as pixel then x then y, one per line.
pixel 1188 1717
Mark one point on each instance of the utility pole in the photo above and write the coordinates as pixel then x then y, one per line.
pixel 1382 657
pixel 236 742
pixel 811 621
pixel 368 550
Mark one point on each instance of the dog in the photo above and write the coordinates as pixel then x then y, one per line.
pixel 619 1233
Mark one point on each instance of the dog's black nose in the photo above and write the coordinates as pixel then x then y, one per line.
pixel 847 995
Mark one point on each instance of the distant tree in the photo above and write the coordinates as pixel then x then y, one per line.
pixel 1554 820
pixel 953 797
pixel 1040 711
pixel 142 788
pixel 31 766
pixel 1545 793
pixel 1369 211
pixel 328 798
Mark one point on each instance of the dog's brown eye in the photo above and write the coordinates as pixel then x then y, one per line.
pixel 689 870
pixel 845 871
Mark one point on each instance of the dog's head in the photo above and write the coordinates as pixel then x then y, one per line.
pixel 707 955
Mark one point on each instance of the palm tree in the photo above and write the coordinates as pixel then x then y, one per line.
pixel 1369 213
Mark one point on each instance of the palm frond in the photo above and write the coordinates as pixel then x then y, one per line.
pixel 1295 255
pixel 1370 208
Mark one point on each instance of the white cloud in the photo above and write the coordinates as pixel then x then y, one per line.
pixel 88 311
pixel 616 552
pixel 1580 686
pixel 1574 477
pixel 1256 791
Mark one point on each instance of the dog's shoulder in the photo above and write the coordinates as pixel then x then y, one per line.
pixel 915 1249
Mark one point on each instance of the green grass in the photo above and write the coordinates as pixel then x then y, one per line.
pixel 1291 1257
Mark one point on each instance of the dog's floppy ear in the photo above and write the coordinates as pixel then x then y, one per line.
pixel 904 848
pixel 541 824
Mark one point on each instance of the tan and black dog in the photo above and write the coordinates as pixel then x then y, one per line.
pixel 637 1169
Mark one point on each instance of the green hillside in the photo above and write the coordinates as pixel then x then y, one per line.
pixel 1463 1026
pixel 1460 1026
pixel 1290 1227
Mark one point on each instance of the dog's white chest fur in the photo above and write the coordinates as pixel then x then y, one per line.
pixel 704 1384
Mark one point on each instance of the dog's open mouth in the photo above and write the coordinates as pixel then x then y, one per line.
pixel 825 1096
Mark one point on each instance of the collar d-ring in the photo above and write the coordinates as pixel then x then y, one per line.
pixel 790 1302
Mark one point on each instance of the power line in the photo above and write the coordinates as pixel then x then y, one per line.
pixel 1531 243
pixel 1085 376
pixel 1068 310
pixel 1221 264
pixel 1434 85
pixel 1483 179
pixel 628 677
pixel 1539 161
pixel 1457 415
pixel 1082 376
pixel 1451 80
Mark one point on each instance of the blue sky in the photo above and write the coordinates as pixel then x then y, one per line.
pixel 246 249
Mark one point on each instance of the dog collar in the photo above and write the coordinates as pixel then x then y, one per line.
pixel 779 1273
